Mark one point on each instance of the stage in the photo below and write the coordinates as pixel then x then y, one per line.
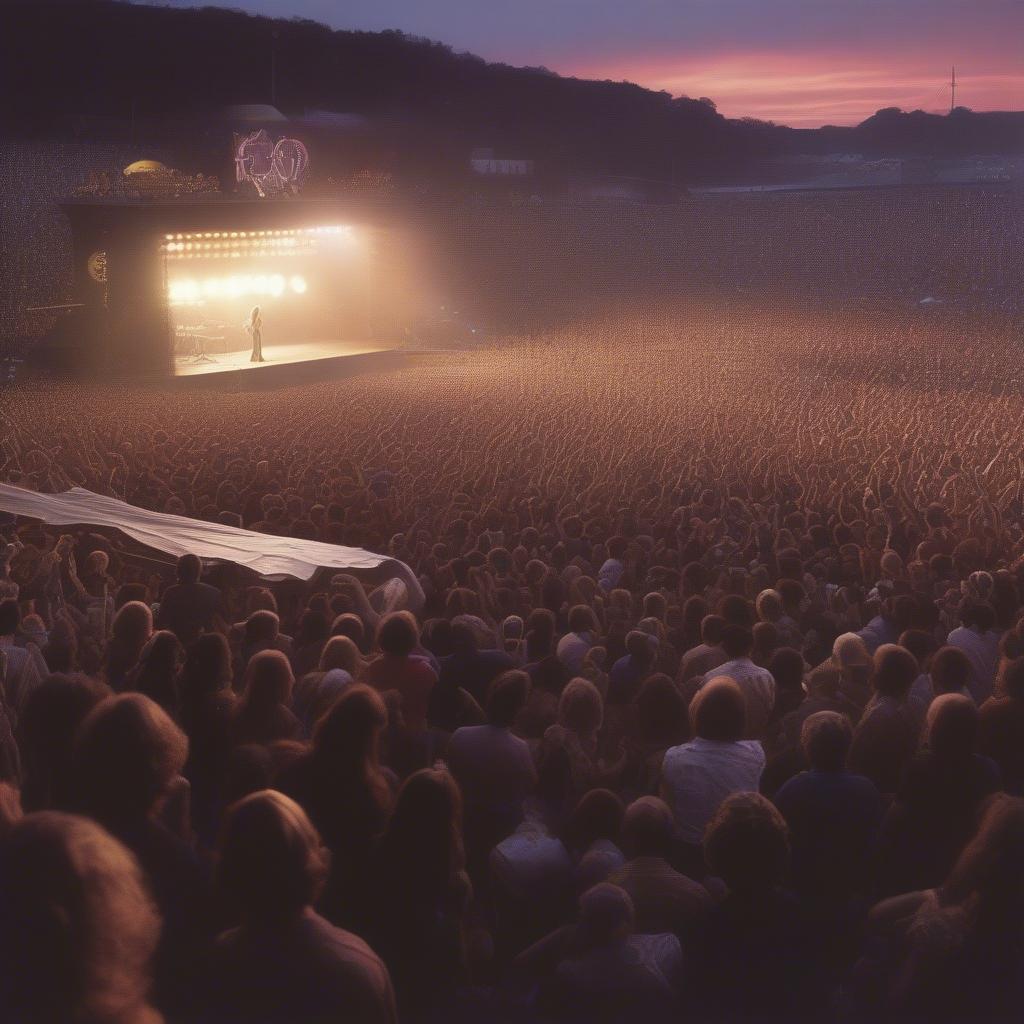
pixel 285 364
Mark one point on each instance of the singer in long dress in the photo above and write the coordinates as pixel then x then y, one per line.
pixel 254 327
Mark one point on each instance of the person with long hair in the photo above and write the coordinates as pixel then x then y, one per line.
pixel 157 670
pixel 263 713
pixel 282 961
pixel 206 706
pixel 78 927
pixel 400 668
pixel 342 787
pixel 254 328
pixel 129 633
pixel 127 757
pixel 421 893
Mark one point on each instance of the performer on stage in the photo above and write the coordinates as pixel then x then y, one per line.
pixel 254 326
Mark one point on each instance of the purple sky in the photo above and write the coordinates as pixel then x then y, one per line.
pixel 799 62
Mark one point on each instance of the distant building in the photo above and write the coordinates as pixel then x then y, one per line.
pixel 619 188
pixel 484 162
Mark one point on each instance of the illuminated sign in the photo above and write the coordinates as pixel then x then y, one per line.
pixel 97 267
pixel 271 167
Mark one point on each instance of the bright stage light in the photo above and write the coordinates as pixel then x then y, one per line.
pixel 265 243
pixel 192 292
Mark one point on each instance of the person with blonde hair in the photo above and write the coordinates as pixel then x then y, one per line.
pixel 253 326
pixel 852 660
pixel 78 928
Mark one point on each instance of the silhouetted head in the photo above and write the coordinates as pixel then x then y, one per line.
pixel 207 666
pixel 718 711
pixel 606 915
pixel 126 754
pixel 425 831
pixel 77 927
pixel 661 712
pixel 951 726
pixel 736 611
pixel 579 708
pixel 769 606
pixel 950 670
pixel 262 627
pixel 398 634
pixel 747 844
pixel 132 625
pixel 582 619
pixel 50 718
pixel 340 652
pixel 271 863
pixel 825 739
pixel 189 569
pixel 506 697
pixel 895 670
pixel 349 732
pixel 787 669
pixel 268 680
pixel 647 828
pixel 711 628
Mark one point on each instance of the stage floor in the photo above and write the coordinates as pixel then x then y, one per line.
pixel 275 356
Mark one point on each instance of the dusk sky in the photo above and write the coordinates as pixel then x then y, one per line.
pixel 798 62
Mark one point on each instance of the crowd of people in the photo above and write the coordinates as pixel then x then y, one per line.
pixel 713 710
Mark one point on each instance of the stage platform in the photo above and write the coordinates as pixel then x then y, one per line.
pixel 285 365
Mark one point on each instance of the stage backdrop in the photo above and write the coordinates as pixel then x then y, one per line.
pixel 269 557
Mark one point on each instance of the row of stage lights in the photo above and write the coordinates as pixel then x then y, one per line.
pixel 192 292
pixel 226 244
pixel 292 232
pixel 247 244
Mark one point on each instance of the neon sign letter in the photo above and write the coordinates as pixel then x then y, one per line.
pixel 271 168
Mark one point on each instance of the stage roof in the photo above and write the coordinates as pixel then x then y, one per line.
pixel 273 558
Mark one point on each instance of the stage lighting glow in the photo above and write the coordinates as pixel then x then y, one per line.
pixel 194 292
pixel 321 229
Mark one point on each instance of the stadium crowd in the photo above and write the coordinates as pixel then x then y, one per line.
pixel 714 709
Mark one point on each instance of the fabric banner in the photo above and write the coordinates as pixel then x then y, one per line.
pixel 273 558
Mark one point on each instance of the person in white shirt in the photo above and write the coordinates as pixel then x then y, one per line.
pixel 614 567
pixel 980 642
pixel 697 776
pixel 757 684
pixel 582 635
